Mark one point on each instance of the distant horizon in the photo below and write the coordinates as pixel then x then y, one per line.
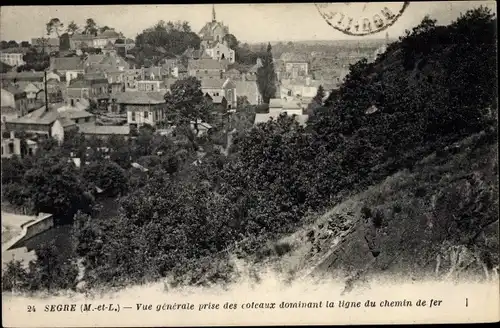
pixel 271 22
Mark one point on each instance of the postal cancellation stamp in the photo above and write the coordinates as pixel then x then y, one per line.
pixel 358 18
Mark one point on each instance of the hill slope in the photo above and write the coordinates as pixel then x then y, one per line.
pixel 450 190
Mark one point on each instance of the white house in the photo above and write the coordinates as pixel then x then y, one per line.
pixel 221 51
pixel 277 107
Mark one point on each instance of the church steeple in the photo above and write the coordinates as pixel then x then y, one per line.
pixel 213 14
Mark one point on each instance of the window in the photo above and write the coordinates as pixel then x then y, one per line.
pixel 133 116
pixel 30 151
pixel 87 119
pixel 146 115
pixel 72 102
pixel 206 71
pixel 11 148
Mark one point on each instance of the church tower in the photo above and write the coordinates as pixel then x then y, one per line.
pixel 213 14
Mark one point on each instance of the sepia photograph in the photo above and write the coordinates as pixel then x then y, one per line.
pixel 249 164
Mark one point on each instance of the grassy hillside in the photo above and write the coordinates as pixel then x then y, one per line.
pixel 452 189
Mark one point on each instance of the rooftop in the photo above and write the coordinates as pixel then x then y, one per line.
pixel 66 64
pixel 265 117
pixel 205 64
pixel 212 83
pixel 15 50
pixel 140 98
pixel 92 128
pixel 43 117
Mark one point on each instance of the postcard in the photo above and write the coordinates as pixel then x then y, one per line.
pixel 249 164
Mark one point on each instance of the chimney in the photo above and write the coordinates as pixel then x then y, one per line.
pixel 12 134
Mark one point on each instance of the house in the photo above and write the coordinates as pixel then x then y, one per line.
pixel 103 131
pixel 37 78
pixel 174 68
pixel 90 86
pixel 77 112
pixel 203 127
pixel 250 90
pixel 220 87
pixel 141 107
pixel 70 67
pixel 56 91
pixel 219 103
pixel 12 96
pixel 108 36
pixel 278 107
pixel 31 90
pixel 116 87
pixel 77 90
pixel 220 51
pixel 105 62
pixel 14 146
pixel 11 146
pixel 213 31
pixel 206 68
pixel 131 77
pixel 151 85
pixel 195 54
pixel 153 73
pixel 99 87
pixel 13 56
pixel 48 45
pixel 98 40
pixel 295 64
pixel 233 74
pixel 43 121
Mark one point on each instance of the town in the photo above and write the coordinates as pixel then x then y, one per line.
pixel 90 80
pixel 130 159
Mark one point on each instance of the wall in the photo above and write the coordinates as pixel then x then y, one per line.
pixel 37 227
pixel 6 153
pixel 57 131
pixel 140 117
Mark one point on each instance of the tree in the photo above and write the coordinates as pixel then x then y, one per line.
pixel 231 40
pixel 104 28
pixel 188 103
pixel 12 44
pixel 266 77
pixel 4 44
pixel 90 27
pixel 320 94
pixel 72 28
pixel 25 44
pixel 54 186
pixel 106 175
pixel 54 26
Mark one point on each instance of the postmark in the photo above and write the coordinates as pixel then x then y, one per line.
pixel 361 18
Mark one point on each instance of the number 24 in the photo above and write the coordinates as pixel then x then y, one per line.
pixel 31 308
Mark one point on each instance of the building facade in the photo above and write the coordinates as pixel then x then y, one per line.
pixel 221 51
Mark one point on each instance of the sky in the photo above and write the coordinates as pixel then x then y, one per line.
pixel 250 23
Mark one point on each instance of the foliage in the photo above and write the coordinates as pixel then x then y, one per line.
pixel 54 26
pixel 35 60
pixel 164 40
pixel 266 77
pixel 72 28
pixel 188 104
pixel 106 175
pixel 90 26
